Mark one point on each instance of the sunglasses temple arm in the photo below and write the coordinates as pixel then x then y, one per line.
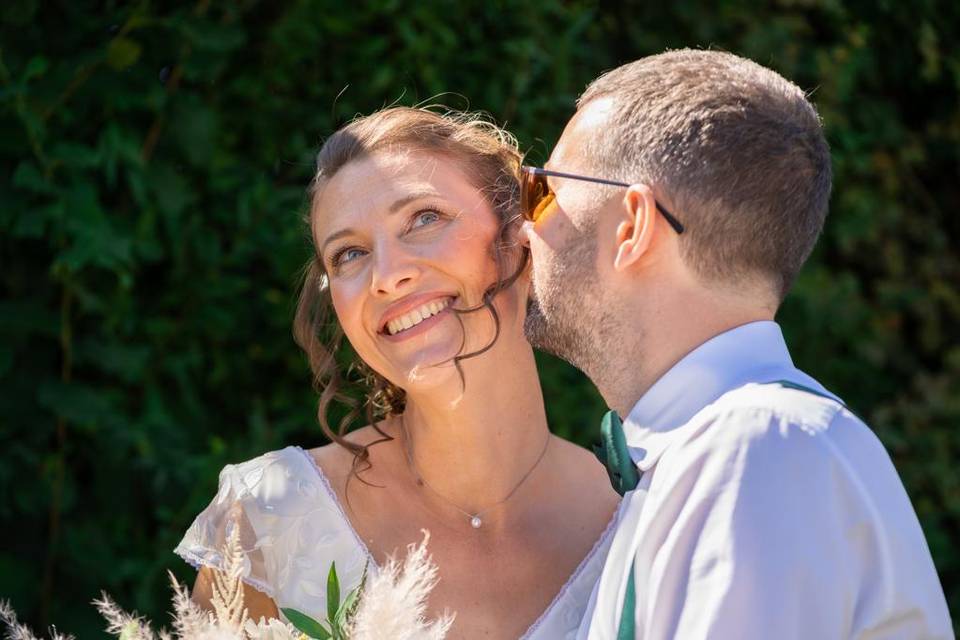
pixel 671 220
pixel 560 174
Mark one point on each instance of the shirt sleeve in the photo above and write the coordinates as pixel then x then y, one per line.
pixel 205 542
pixel 764 528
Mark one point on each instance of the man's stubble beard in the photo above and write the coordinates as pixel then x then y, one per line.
pixel 567 314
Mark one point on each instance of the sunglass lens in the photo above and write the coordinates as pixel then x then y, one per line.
pixel 536 196
pixel 545 202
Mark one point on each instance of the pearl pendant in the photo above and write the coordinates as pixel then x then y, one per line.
pixel 475 522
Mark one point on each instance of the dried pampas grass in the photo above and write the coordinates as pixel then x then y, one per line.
pixel 394 602
pixel 17 631
pixel 392 606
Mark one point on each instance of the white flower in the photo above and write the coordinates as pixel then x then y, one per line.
pixel 394 602
pixel 17 631
pixel 217 633
pixel 271 629
pixel 391 607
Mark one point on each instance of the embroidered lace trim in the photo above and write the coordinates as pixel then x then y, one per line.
pixel 210 558
pixel 572 580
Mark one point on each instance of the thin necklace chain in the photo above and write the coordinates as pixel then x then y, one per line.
pixel 475 521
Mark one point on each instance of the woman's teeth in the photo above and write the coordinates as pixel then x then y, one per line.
pixel 415 317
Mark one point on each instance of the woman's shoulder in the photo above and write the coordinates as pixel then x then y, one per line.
pixel 271 475
pixel 292 528
pixel 281 483
pixel 337 462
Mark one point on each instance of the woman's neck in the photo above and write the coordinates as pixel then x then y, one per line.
pixel 473 448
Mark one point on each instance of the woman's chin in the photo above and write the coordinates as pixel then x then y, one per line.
pixel 430 376
pixel 432 381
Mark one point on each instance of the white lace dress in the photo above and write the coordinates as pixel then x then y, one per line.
pixel 292 527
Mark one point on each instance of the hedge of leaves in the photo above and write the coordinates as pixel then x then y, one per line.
pixel 155 161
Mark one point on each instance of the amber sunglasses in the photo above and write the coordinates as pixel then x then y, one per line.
pixel 536 195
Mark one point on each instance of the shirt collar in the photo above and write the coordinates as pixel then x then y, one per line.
pixel 754 352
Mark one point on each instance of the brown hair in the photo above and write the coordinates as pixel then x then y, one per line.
pixel 490 159
pixel 736 150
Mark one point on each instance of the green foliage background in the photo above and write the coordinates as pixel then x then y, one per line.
pixel 155 160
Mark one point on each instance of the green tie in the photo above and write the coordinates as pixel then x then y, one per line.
pixel 613 453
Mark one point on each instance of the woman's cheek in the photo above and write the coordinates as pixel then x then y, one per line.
pixel 471 249
pixel 348 307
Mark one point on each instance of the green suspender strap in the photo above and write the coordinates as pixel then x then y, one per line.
pixel 799 387
pixel 628 623
pixel 624 477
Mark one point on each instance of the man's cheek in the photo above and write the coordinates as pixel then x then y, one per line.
pixel 554 235
pixel 545 214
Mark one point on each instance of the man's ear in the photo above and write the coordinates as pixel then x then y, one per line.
pixel 635 231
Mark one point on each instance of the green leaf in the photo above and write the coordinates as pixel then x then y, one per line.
pixel 36 67
pixel 306 624
pixel 28 177
pixel 83 405
pixel 218 38
pixel 195 126
pixel 73 155
pixel 123 53
pixel 346 610
pixel 126 361
pixel 352 601
pixel 333 592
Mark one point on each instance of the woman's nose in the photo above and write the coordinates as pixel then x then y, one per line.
pixel 393 272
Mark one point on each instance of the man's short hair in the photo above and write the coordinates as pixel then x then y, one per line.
pixel 736 151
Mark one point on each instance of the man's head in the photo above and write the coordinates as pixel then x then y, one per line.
pixel 732 149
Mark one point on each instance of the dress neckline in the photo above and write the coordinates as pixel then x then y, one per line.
pixel 572 580
pixel 336 501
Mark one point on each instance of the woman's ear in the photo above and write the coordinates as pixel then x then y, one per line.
pixel 635 230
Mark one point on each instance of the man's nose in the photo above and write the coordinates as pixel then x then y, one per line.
pixel 393 271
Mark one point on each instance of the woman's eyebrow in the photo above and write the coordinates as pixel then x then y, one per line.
pixel 336 235
pixel 403 201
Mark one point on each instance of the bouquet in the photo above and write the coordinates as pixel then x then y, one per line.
pixel 388 606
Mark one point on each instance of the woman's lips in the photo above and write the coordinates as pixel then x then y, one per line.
pixel 420 328
pixel 410 303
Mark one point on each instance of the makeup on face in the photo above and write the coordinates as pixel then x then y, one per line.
pixel 403 250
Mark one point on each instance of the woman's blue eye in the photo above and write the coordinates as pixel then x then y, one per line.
pixel 424 218
pixel 346 255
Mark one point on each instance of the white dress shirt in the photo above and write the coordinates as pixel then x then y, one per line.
pixel 762 511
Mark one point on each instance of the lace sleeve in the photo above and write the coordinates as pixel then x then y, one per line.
pixel 234 505
pixel 292 529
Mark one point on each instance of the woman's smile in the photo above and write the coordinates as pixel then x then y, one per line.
pixel 414 316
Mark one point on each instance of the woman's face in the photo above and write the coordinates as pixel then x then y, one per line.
pixel 405 238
